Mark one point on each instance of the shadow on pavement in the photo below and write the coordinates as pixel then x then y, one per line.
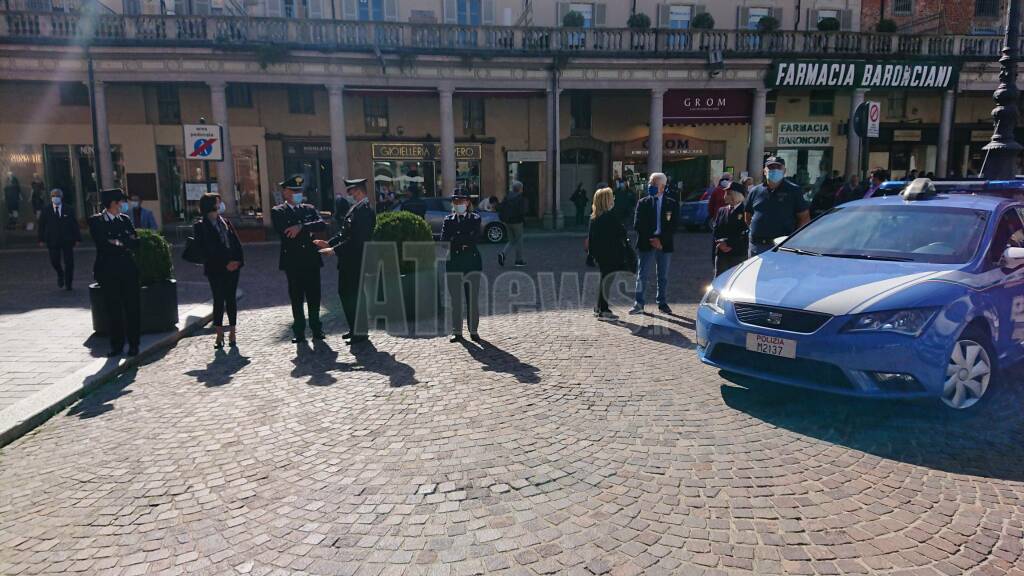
pixel 319 361
pixel 222 368
pixel 494 359
pixel 101 400
pixel 982 441
pixel 656 333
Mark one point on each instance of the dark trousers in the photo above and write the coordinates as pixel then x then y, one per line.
pixel 349 291
pixel 65 271
pixel 304 286
pixel 224 286
pixel 464 290
pixel 607 278
pixel 121 299
pixel 725 261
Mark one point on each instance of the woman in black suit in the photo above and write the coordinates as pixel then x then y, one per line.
pixel 730 230
pixel 608 244
pixel 222 260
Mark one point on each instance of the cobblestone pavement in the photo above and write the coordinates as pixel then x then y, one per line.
pixel 562 445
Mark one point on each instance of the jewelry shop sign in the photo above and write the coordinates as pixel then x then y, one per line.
pixel 804 134
pixel 839 74
pixel 423 151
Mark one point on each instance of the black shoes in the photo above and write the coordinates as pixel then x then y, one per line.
pixel 456 338
pixel 358 340
pixel 664 308
pixel 319 335
pixel 475 337
pixel 346 335
pixel 298 339
pixel 113 353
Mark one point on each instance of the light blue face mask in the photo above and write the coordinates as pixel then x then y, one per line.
pixel 124 206
pixel 776 175
pixel 460 208
pixel 297 198
pixel 56 200
pixel 220 208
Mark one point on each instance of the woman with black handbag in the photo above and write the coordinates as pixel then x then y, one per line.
pixel 222 259
pixel 608 244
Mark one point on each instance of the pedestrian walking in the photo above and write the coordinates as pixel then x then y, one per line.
pixel 12 198
pixel 461 229
pixel 579 201
pixel 608 244
pixel 730 231
pixel 512 212
pixel 141 217
pixel 296 222
pixel 58 231
pixel 116 272
pixel 775 208
pixel 347 246
pixel 222 262
pixel 655 229
pixel 38 197
pixel 851 190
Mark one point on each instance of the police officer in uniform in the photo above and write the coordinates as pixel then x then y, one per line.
pixel 296 223
pixel 116 272
pixel 356 230
pixel 461 229
pixel 775 208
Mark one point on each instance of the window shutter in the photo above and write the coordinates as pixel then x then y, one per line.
pixel 488 12
pixel 201 7
pixel 348 10
pixel 391 10
pixel 777 14
pixel 664 16
pixel 599 11
pixel 273 8
pixel 698 9
pixel 316 9
pixel 561 9
pixel 846 19
pixel 451 13
pixel 742 16
pixel 180 7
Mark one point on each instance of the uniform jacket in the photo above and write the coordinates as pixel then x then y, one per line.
pixel 299 252
pixel 356 230
pixel 58 231
pixel 729 227
pixel 215 253
pixel 646 223
pixel 113 261
pixel 462 232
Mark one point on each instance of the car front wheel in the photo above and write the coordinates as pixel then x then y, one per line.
pixel 969 371
pixel 494 233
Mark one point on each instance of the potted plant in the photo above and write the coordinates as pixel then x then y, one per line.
pixel 158 295
pixel 767 24
pixel 886 26
pixel 572 19
pixel 703 21
pixel 639 21
pixel 399 228
pixel 829 24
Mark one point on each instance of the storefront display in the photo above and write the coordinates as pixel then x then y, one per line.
pixel 684 159
pixel 400 167
pixel 20 166
pixel 182 183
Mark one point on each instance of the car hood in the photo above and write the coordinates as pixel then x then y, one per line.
pixel 835 286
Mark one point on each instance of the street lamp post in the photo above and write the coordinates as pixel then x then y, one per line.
pixel 1003 149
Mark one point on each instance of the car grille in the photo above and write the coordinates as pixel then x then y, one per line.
pixel 822 373
pixel 780 318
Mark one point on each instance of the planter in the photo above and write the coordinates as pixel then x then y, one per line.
pixel 158 308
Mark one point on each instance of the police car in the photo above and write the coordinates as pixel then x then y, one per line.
pixel 919 294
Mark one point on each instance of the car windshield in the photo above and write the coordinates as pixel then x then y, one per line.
pixel 904 232
pixel 694 196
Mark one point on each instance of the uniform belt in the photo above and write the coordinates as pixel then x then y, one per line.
pixel 762 241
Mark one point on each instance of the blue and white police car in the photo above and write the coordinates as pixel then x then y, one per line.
pixel 920 294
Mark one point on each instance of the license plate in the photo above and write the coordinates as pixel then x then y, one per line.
pixel 771 345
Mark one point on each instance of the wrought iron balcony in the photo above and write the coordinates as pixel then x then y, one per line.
pixel 395 37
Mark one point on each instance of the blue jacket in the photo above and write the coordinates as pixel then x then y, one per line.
pixel 144 219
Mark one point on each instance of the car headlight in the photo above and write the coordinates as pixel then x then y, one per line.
pixel 713 299
pixel 908 322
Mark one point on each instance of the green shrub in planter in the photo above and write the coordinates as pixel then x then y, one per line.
pixel 401 227
pixel 153 257
pixel 572 19
pixel 703 21
pixel 829 24
pixel 886 26
pixel 767 24
pixel 639 21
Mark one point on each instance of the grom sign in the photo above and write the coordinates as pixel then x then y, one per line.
pixel 838 74
pixel 708 106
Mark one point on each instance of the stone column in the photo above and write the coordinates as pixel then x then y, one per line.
pixel 447 142
pixel 656 139
pixel 226 167
pixel 945 133
pixel 853 142
pixel 553 176
pixel 755 154
pixel 103 158
pixel 339 139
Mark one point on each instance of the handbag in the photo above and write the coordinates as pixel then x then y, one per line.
pixel 193 249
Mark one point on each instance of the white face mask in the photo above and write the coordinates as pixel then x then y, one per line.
pixel 221 208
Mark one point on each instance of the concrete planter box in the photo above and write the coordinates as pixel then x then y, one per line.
pixel 158 308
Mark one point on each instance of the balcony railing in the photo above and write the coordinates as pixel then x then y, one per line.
pixel 120 30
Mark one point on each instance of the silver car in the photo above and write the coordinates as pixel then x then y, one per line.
pixel 437 208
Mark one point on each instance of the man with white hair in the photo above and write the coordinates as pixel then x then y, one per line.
pixel 655 226
pixel 58 232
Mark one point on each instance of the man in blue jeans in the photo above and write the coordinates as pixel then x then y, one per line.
pixel 655 231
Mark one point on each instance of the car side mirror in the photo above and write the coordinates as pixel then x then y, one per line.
pixel 1013 257
pixel 780 240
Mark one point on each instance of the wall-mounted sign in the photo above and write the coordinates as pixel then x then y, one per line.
pixel 423 151
pixel 981 135
pixel 673 146
pixel 845 74
pixel 203 142
pixel 527 155
pixel 906 135
pixel 708 106
pixel 804 134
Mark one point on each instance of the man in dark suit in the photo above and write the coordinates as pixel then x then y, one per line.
pixel 655 231
pixel 116 272
pixel 296 223
pixel 347 245
pixel 58 231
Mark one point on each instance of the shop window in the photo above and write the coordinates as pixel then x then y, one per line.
pixel 903 8
pixel 247 180
pixel 770 102
pixel 74 94
pixel 473 115
pixel 239 96
pixel 168 106
pixel 986 8
pixel 579 112
pixel 896 105
pixel 822 102
pixel 375 113
pixel 300 100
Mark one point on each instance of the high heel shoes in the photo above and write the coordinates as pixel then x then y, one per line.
pixel 218 344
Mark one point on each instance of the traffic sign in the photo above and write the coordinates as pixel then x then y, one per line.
pixel 203 142
pixel 874 119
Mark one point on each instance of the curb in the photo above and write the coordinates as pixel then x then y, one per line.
pixel 29 413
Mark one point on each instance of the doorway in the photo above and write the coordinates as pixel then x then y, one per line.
pixel 694 173
pixel 529 174
pixel 579 166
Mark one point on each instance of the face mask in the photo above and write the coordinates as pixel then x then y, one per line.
pixel 723 183
pixel 652 190
pixel 297 198
pixel 460 208
pixel 124 206
pixel 776 175
pixel 56 200
pixel 133 204
pixel 220 208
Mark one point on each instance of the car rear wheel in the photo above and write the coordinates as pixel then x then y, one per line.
pixel 495 233
pixel 969 371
